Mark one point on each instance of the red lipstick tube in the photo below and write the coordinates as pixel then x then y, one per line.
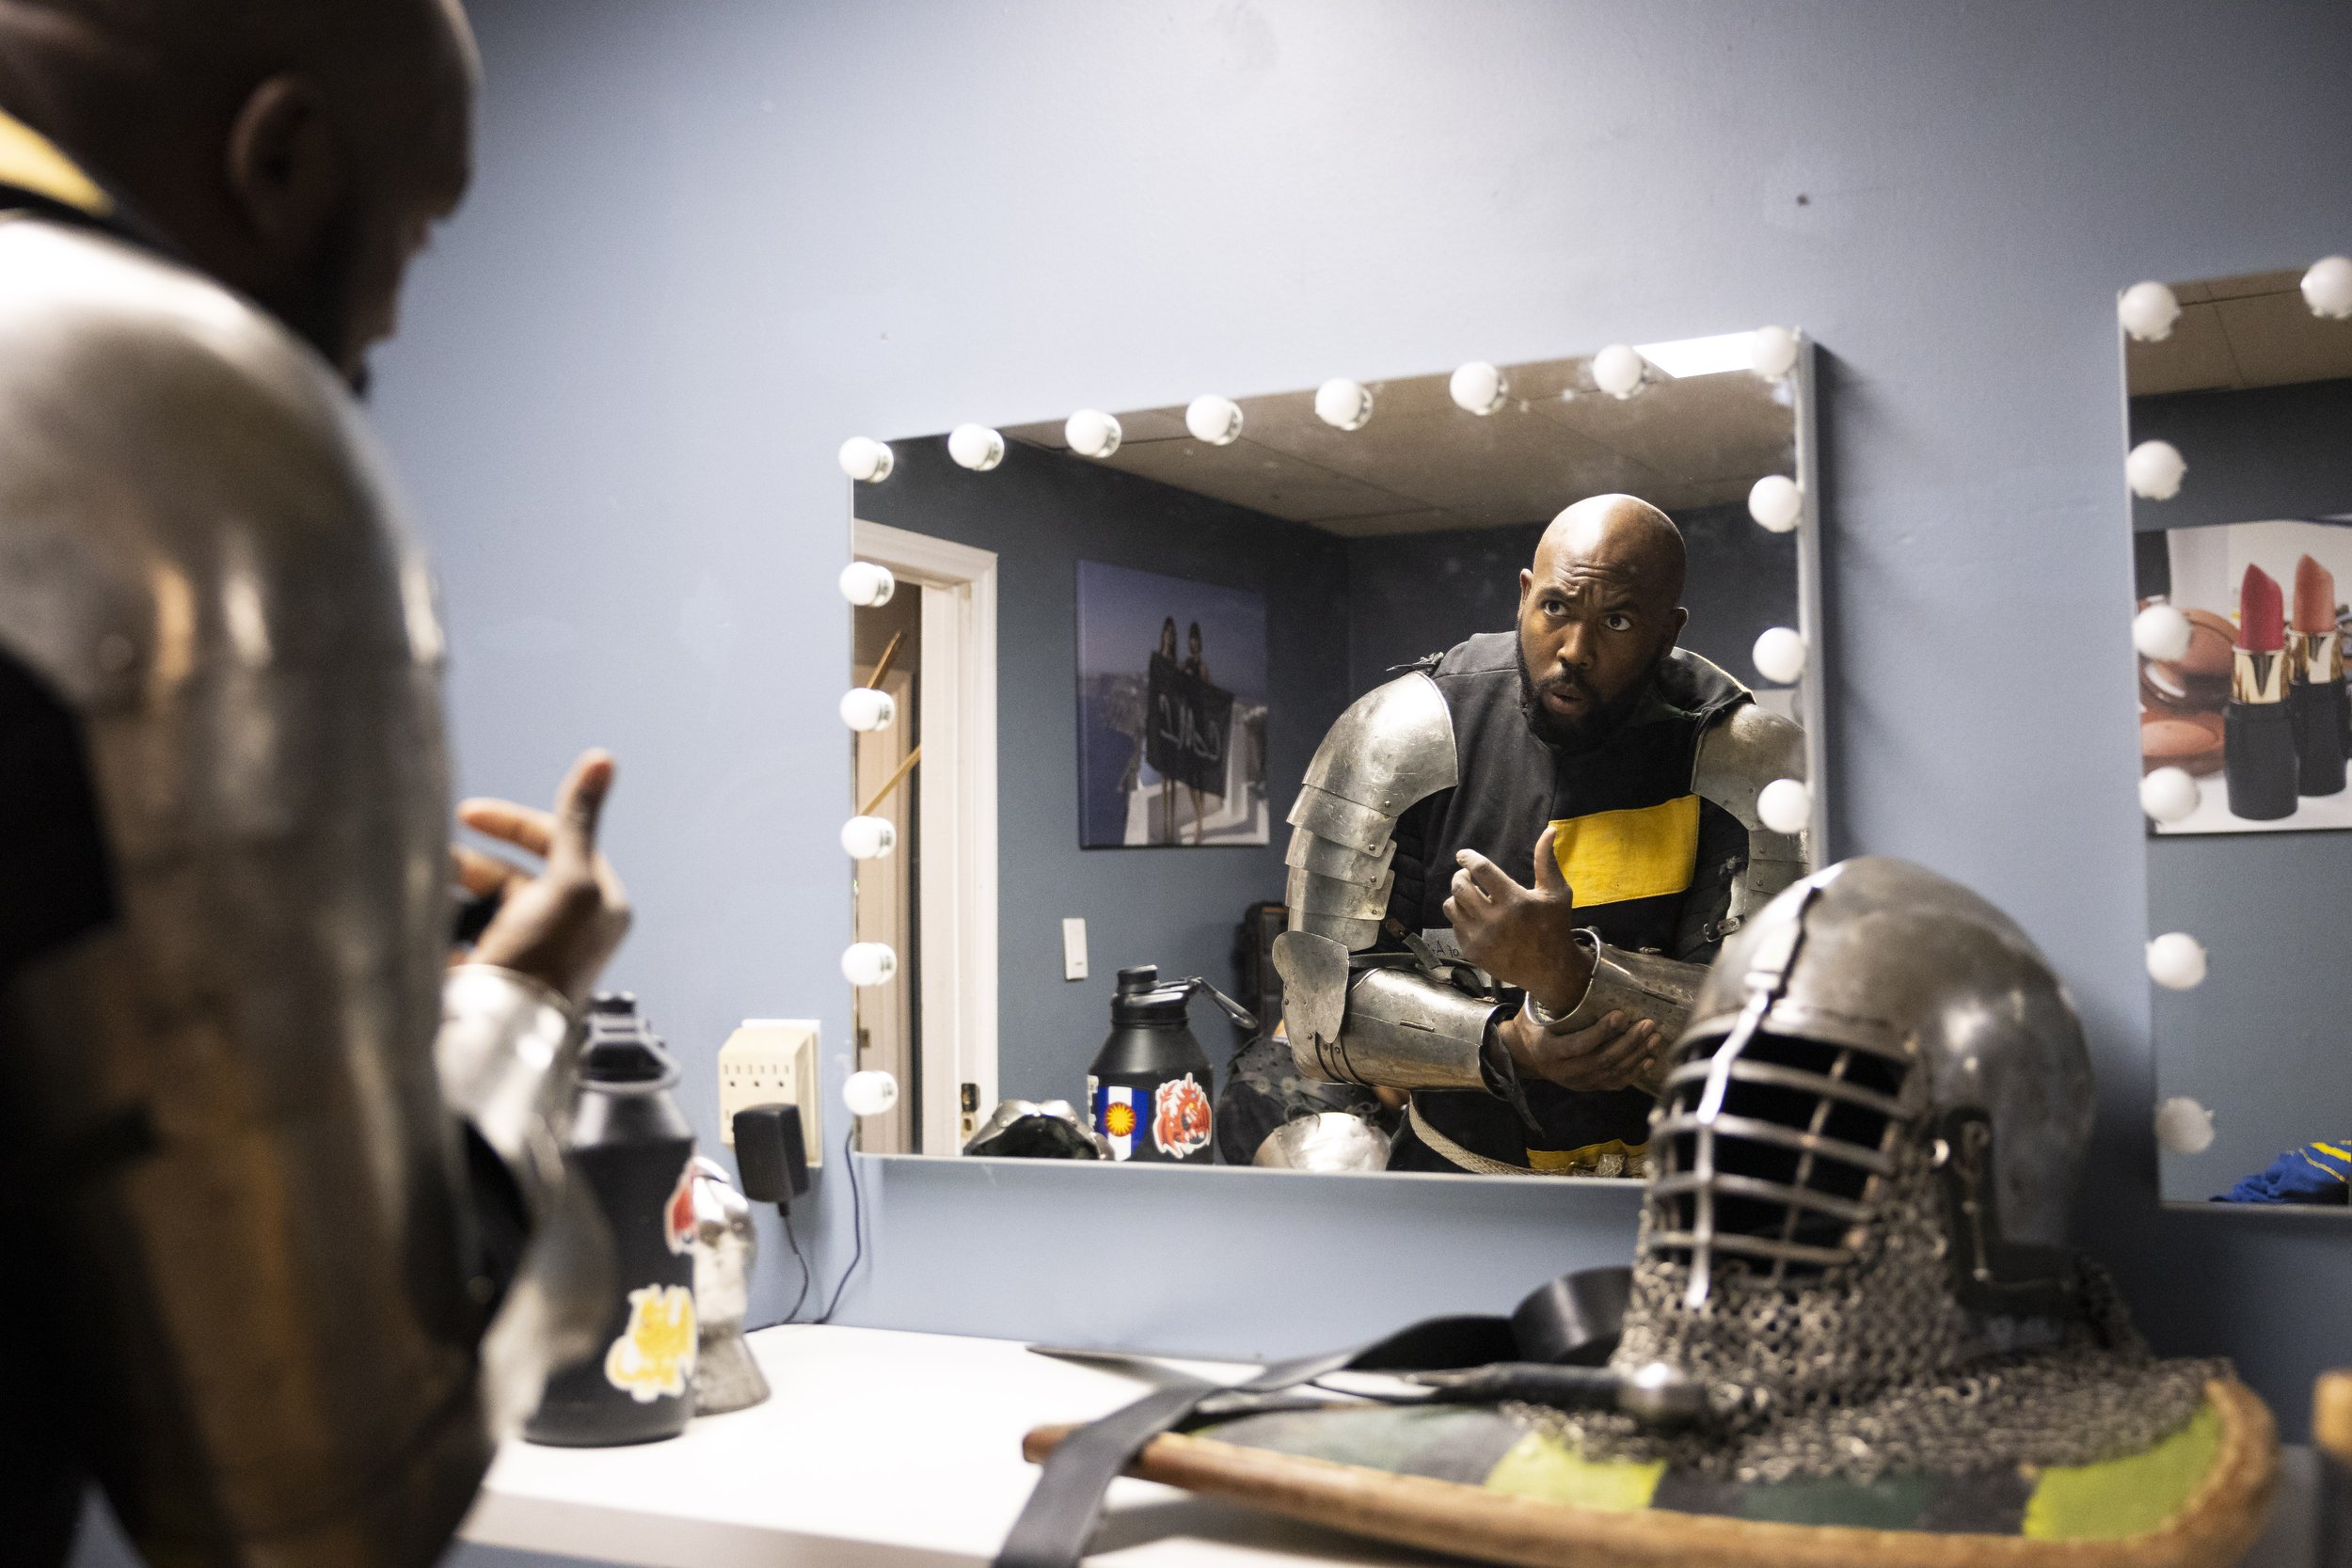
pixel 2315 693
pixel 2259 760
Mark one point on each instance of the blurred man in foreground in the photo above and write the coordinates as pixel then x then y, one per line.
pixel 280 1266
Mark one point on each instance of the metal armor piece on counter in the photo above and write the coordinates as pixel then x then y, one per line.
pixel 1853 1247
pixel 1037 1130
pixel 725 1376
pixel 1326 1141
pixel 275 1293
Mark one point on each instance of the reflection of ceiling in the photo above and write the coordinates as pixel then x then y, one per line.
pixel 1423 464
pixel 2239 332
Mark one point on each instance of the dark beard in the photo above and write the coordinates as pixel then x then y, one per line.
pixel 1575 736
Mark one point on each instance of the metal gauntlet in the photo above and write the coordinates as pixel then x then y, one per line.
pixel 1638 984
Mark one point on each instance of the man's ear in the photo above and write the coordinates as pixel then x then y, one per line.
pixel 1682 619
pixel 1527 581
pixel 285 168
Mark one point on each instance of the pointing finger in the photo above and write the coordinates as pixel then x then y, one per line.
pixel 578 806
pixel 1548 877
pixel 524 827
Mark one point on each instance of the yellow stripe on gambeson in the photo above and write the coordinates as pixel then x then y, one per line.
pixel 1611 857
pixel 31 161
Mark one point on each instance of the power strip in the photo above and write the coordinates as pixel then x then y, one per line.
pixel 771 1061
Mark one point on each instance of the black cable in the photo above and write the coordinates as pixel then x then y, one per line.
pixel 799 1256
pixel 857 1222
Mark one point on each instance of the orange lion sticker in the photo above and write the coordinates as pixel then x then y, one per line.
pixel 654 1354
pixel 1179 1117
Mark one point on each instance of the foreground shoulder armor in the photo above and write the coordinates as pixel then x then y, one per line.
pixel 1738 755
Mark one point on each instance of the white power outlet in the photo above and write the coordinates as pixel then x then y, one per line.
pixel 772 1061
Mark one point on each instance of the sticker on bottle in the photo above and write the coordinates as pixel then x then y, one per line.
pixel 678 1214
pixel 1117 1114
pixel 1179 1117
pixel 654 1354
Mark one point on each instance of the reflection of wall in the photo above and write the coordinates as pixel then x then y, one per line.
pixel 2266 451
pixel 1419 594
pixel 2265 1043
pixel 1043 513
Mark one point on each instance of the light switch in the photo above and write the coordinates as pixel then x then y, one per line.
pixel 1074 948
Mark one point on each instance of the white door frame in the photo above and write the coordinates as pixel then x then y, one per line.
pixel 956 912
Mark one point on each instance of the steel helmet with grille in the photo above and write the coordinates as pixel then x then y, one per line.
pixel 1854 1238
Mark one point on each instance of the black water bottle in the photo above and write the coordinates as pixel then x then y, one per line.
pixel 1150 1091
pixel 632 1143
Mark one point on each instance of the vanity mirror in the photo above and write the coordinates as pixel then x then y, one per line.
pixel 1096 658
pixel 2240 469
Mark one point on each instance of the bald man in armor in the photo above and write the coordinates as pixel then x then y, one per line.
pixel 290 1239
pixel 1512 866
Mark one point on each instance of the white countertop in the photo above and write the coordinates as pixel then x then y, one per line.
pixel 876 1448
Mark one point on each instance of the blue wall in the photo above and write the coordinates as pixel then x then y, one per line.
pixel 709 242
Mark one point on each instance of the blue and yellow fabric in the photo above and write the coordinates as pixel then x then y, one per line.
pixel 2315 1173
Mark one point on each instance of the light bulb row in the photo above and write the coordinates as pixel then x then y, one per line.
pixel 2149 310
pixel 1477 388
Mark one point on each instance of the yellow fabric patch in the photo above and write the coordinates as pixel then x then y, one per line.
pixel 31 161
pixel 2124 1497
pixel 1614 856
pixel 1550 1471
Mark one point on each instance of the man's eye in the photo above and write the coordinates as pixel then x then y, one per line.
pixel 1619 621
pixel 1555 607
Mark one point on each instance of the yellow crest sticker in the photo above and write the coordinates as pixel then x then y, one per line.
pixel 654 1354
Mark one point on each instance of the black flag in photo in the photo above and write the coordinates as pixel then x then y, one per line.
pixel 1188 723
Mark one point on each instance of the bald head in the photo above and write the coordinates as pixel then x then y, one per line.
pixel 1600 608
pixel 300 150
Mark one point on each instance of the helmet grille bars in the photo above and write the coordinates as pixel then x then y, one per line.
pixel 1771 1150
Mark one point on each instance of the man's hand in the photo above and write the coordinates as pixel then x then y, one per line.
pixel 1524 936
pixel 1607 1054
pixel 561 925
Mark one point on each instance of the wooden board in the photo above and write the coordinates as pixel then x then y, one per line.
pixel 2220 1518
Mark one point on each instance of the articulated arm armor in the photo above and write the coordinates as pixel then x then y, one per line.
pixel 1405 1027
pixel 306 1264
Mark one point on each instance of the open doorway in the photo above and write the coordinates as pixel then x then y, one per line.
pixel 933 774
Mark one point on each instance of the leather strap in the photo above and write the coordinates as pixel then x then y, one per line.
pixel 1568 1320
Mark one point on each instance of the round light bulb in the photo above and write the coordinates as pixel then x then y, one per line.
pixel 1618 371
pixel 2176 961
pixel 1092 432
pixel 869 1093
pixel 2328 287
pixel 868 838
pixel 1344 404
pixel 2154 469
pixel 867 585
pixel 2183 1126
pixel 1785 805
pixel 1780 656
pixel 1776 502
pixel 1479 389
pixel 1773 352
pixel 975 446
pixel 2168 795
pixel 2161 632
pixel 865 710
pixel 1214 419
pixel 866 460
pixel 2148 312
pixel 868 963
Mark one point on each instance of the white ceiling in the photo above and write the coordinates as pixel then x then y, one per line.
pixel 1423 464
pixel 2241 332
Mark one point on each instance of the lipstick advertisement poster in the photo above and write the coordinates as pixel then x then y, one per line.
pixel 2255 708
